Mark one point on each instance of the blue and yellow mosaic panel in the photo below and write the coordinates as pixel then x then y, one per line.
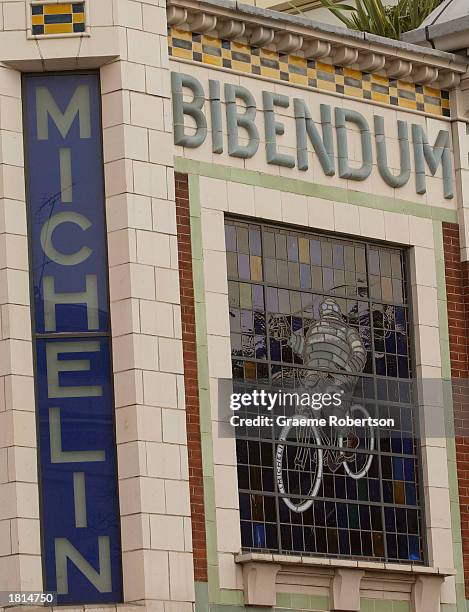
pixel 66 18
pixel 297 70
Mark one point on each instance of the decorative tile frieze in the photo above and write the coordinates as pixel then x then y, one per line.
pixel 49 18
pixel 312 73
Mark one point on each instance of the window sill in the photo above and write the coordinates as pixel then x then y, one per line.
pixel 260 571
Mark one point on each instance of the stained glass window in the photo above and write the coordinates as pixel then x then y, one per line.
pixel 277 279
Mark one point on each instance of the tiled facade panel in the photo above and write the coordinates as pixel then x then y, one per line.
pixel 233 55
pixel 20 560
pixel 68 18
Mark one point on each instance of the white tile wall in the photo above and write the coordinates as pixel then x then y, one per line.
pixel 19 506
pixel 144 288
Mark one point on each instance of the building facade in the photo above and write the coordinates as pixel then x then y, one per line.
pixel 191 194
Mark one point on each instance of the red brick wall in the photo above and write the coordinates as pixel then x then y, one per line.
pixel 191 382
pixel 457 291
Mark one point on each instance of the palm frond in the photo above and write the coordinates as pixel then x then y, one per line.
pixel 374 17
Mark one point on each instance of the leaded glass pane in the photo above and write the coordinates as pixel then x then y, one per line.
pixel 277 281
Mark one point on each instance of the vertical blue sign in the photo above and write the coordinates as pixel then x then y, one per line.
pixel 74 393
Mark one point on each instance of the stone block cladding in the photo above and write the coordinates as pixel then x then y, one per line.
pixel 20 547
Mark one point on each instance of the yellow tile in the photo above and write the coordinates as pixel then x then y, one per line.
pixel 181 34
pixel 272 73
pixel 406 86
pixel 57 9
pixel 430 91
pixel 404 103
pixel 213 60
pixel 379 97
pixel 209 40
pixel 381 80
pixel 327 85
pixel 197 47
pixel 37 20
pixel 256 268
pixel 299 79
pixel 366 85
pixel 78 18
pixel 255 60
pixel 444 103
pixel 356 74
pixel 58 28
pixel 303 247
pixel 325 67
pixel 269 54
pixel 226 54
pixel 241 66
pixel 182 53
pixel 240 48
pixel 294 60
pixel 356 92
pixel 419 97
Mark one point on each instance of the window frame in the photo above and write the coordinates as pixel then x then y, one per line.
pixel 408 305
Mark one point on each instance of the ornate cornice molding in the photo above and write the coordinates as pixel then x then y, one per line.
pixel 285 33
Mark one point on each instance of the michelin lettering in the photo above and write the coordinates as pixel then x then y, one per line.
pixel 74 398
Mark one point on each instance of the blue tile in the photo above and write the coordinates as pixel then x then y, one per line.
pixel 58 18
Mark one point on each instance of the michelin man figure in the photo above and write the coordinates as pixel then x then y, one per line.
pixel 331 344
pixel 334 355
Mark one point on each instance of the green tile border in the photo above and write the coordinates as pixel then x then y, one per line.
pixel 201 596
pixel 384 605
pixel 208 595
pixel 213 587
pixel 300 187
